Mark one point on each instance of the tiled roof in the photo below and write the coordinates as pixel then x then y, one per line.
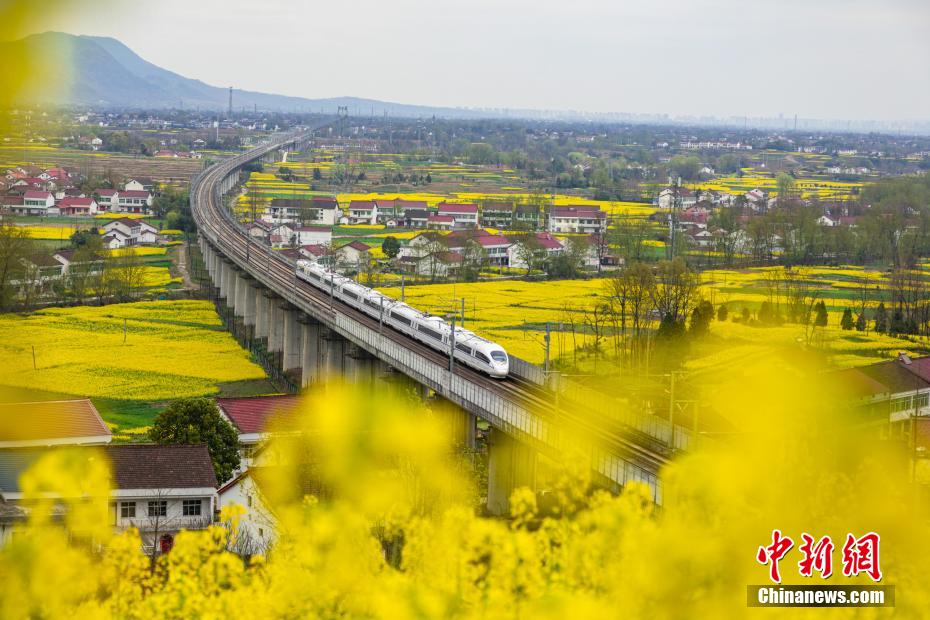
pixel 50 420
pixel 576 211
pixel 134 193
pixel 890 377
pixel 357 245
pixel 153 466
pixel 454 207
pixel 35 195
pixel 134 466
pixel 252 415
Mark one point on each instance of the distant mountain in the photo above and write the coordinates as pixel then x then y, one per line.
pixel 106 73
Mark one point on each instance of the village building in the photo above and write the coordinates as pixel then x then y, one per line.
pixel 577 219
pixel 497 215
pixel 126 232
pixel 130 201
pixel 363 212
pixel 36 202
pixel 107 199
pixel 464 215
pixel 77 206
pixel 416 218
pixel 52 423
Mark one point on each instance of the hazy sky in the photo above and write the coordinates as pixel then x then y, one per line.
pixel 849 59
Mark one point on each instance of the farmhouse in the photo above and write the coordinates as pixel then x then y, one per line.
pixel 257 419
pixel 440 222
pixel 130 201
pixel 354 254
pixel 465 215
pixel 51 423
pixel 497 215
pixel 577 219
pixel 316 210
pixel 126 232
pixel 36 203
pixel 416 218
pixel 363 212
pixel 545 246
pixel 77 206
pixel 158 489
pixel 139 184
pixel 107 199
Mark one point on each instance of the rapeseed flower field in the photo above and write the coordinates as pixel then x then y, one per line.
pixel 169 349
pixel 514 313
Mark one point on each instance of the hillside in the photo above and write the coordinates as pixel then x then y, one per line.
pixel 105 72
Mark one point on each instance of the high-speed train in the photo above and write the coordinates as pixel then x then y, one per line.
pixel 470 349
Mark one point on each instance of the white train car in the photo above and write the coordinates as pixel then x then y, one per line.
pixel 470 349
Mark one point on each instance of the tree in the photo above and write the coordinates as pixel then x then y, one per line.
pixel 722 312
pixel 15 247
pixel 820 314
pixel 701 317
pixel 847 321
pixel 860 323
pixel 530 251
pixel 687 167
pixel 194 421
pixel 785 186
pixel 390 246
pixel 881 318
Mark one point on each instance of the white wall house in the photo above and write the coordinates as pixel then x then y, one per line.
pixel 577 219
pixel 36 203
pixel 465 215
pixel 363 212
pixel 158 489
pixel 129 201
pixel 130 232
pixel 107 199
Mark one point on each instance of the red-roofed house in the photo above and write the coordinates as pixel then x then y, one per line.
pixel 257 418
pixel 77 206
pixel 36 203
pixel 363 212
pixel 545 245
pixel 465 215
pixel 440 222
pixel 107 199
pixel 128 231
pixel 354 254
pixel 577 219
pixel 51 423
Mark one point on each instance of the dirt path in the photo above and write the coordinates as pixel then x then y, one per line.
pixel 182 266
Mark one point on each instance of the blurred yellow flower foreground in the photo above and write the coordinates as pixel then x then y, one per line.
pixel 377 519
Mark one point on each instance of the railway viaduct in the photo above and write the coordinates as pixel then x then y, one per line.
pixel 315 335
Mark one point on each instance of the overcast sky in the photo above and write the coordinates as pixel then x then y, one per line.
pixel 845 59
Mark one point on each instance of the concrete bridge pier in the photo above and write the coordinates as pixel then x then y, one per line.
pixel 262 314
pixel 275 326
pixel 511 464
pixel 229 277
pixel 360 366
pixel 220 278
pixel 243 288
pixel 333 353
pixel 291 338
pixel 310 364
pixel 249 306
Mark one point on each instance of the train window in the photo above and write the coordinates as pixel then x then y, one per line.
pixel 350 294
pixel 401 318
pixel 464 349
pixel 371 303
pixel 315 276
pixel 430 332
pixel 481 356
pixel 499 356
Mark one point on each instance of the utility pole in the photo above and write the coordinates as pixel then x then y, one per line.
pixel 401 288
pixel 548 340
pixel 463 312
pixel 230 112
pixel 452 351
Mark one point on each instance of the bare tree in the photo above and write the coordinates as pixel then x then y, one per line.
pixel 15 247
